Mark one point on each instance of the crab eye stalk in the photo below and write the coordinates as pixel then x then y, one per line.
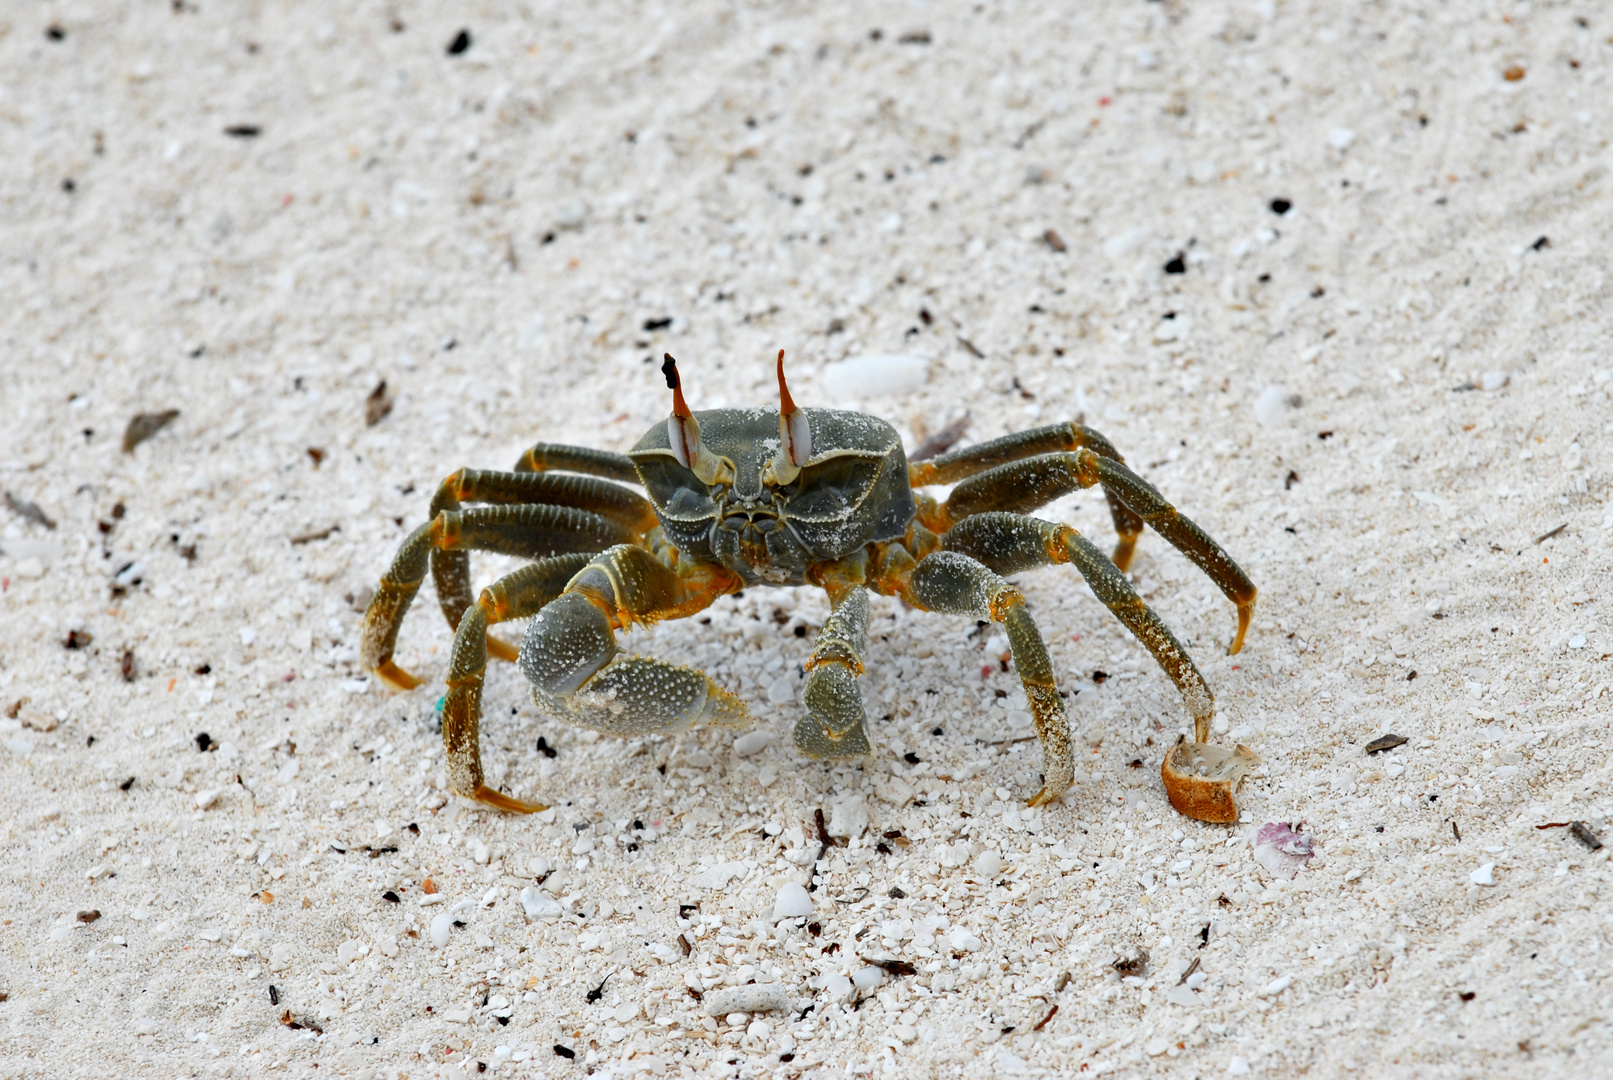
pixel 795 434
pixel 683 430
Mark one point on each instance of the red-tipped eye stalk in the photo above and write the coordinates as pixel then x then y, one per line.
pixel 795 434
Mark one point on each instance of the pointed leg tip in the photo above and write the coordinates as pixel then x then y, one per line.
pixel 500 801
pixel 499 649
pixel 1124 550
pixel 395 677
pixel 1246 612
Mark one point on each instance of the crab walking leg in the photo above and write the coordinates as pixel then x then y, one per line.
pixel 513 596
pixel 579 674
pixel 450 569
pixel 954 583
pixel 962 464
pixel 1011 543
pixel 578 459
pixel 533 531
pixel 834 726
pixel 1025 485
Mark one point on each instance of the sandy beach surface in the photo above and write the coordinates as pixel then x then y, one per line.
pixel 1333 277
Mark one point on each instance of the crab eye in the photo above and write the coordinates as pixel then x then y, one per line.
pixel 800 433
pixel 795 433
pixel 679 438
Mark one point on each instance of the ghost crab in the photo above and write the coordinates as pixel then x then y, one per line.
pixel 794 497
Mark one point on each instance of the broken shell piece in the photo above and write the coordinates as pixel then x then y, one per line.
pixel 1200 779
pixel 1281 850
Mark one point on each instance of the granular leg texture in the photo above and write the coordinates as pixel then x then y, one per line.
pixel 1012 543
pixel 530 531
pixel 951 582
pixel 557 457
pixel 450 568
pixel 961 464
pixel 1025 485
pixel 835 723
pixel 578 672
pixel 384 616
pixel 525 592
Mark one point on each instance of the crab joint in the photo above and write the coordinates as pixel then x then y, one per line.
pixel 683 432
pixel 795 434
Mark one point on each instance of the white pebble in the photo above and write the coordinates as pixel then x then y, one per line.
pixel 1484 875
pixel 988 863
pixel 1277 986
pixel 538 865
pixel 849 817
pixel 571 214
pixel 753 998
pixel 793 902
pixel 866 978
pixel 1577 641
pixel 1493 380
pixel 1124 243
pixel 838 987
pixel 1156 1047
pixel 1238 1067
pixel 439 930
pixel 752 742
pixel 207 798
pixel 875 375
pixel 1269 405
pixel 782 692
pixel 962 940
pixel 1340 138
pixel 540 905
pixel 759 1029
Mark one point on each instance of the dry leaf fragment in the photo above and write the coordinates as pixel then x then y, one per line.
pixel 144 426
pixel 377 405
pixel 29 510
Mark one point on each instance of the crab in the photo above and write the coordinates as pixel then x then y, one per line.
pixel 798 496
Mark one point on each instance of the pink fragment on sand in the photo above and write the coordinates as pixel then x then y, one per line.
pixel 1281 850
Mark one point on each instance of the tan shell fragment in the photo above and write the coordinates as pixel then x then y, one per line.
pixel 1200 779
